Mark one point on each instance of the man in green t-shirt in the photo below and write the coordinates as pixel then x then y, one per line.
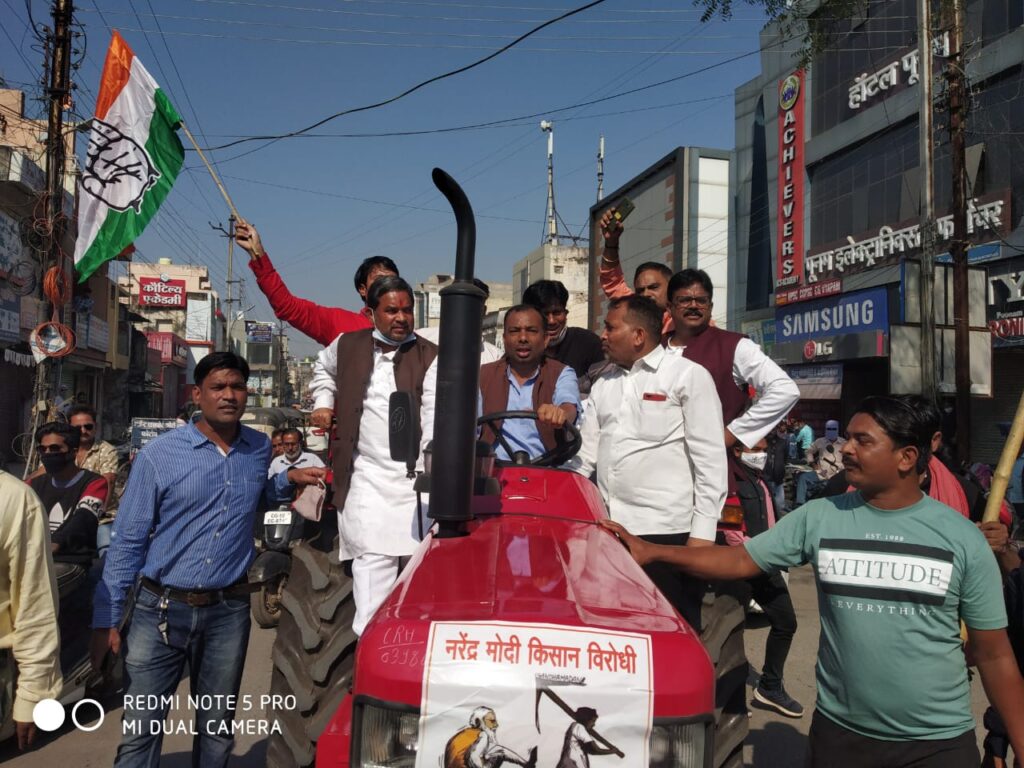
pixel 896 573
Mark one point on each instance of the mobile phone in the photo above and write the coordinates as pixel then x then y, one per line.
pixel 622 209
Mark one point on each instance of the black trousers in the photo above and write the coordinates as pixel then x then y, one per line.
pixel 684 592
pixel 772 594
pixel 832 746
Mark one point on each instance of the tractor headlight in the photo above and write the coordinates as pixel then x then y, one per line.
pixel 678 745
pixel 388 738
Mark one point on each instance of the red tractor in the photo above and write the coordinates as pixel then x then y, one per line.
pixel 520 633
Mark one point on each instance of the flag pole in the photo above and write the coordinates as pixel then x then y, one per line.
pixel 213 173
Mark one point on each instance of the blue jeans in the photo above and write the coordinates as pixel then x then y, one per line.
pixel 213 641
pixel 778 491
pixel 806 484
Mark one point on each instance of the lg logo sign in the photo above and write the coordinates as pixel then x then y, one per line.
pixel 813 349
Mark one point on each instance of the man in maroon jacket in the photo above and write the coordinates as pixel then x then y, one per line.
pixel 323 324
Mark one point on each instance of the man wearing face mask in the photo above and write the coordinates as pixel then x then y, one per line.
pixel 769 590
pixel 375 499
pixel 72 497
pixel 825 457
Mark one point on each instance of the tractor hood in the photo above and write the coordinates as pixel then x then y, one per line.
pixel 535 557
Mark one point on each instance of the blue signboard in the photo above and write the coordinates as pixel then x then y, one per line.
pixel 835 316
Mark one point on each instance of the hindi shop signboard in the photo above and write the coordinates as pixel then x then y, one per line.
pixel 790 203
pixel 162 292
pixel 1006 303
pixel 850 326
pixel 984 215
pixel 145 430
pixel 818 382
pixel 257 332
pixel 538 690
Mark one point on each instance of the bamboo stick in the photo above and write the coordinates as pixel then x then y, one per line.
pixel 213 173
pixel 1001 478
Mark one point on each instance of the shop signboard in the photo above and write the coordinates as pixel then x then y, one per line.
pixel 761 332
pixel 790 203
pixel 12 256
pixel 173 349
pixel 145 430
pixel 162 292
pixel 257 332
pixel 985 215
pixel 1005 303
pixel 850 326
pixel 818 382
pixel 808 292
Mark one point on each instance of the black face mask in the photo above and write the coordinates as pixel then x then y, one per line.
pixel 55 462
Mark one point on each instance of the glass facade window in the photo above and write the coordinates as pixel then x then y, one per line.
pixel 862 188
pixel 867 43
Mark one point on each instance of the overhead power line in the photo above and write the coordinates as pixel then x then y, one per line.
pixel 422 84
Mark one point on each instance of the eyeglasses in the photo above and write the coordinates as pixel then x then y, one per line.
pixel 684 300
pixel 87 427
pixel 51 449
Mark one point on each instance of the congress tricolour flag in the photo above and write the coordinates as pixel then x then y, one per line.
pixel 134 156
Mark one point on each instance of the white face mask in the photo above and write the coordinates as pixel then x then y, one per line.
pixel 379 336
pixel 754 459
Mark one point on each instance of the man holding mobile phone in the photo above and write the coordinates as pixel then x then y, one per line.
pixel 650 278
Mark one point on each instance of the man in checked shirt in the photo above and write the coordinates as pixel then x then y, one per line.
pixel 184 535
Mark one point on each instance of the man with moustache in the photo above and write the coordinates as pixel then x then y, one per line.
pixel 374 497
pixel 526 379
pixel 650 278
pixel 897 572
pixel 652 430
pixel 183 538
pixel 734 362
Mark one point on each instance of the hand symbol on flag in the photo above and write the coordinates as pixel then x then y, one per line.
pixel 118 170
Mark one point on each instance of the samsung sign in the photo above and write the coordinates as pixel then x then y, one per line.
pixel 849 313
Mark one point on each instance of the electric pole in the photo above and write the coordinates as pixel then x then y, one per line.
pixel 600 169
pixel 958 246
pixel 58 94
pixel 929 385
pixel 229 300
pixel 280 364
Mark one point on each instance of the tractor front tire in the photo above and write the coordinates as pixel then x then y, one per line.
pixel 723 617
pixel 313 656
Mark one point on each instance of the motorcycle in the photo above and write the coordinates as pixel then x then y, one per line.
pixel 276 533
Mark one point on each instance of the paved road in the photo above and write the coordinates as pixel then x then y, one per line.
pixel 774 742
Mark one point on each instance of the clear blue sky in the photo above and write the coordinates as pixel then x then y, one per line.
pixel 246 67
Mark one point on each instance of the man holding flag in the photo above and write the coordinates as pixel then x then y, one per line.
pixel 134 156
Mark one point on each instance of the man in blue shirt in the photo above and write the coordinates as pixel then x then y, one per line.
pixel 183 534
pixel 525 379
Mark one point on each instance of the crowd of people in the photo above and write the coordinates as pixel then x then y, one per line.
pixel 678 420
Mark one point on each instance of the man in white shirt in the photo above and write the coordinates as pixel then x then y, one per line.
pixel 293 457
pixel 377 523
pixel 652 429
pixel 322 388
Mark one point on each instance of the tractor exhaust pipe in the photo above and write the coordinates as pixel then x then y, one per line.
pixel 458 375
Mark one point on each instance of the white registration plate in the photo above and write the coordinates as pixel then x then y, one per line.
pixel 277 517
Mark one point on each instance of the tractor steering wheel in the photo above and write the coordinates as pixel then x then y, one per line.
pixel 558 455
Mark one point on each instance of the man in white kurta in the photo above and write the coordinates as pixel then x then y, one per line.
pixel 379 526
pixel 377 520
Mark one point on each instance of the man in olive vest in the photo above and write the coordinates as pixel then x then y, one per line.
pixel 735 362
pixel 526 379
pixel 375 498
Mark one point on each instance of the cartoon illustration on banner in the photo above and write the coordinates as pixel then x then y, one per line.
pixel 534 695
